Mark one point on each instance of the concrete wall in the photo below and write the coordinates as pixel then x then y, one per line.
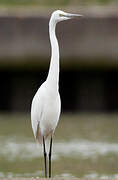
pixel 88 40
pixel 24 59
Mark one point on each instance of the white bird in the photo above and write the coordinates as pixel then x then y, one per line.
pixel 46 104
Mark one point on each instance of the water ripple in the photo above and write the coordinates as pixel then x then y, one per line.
pixel 13 149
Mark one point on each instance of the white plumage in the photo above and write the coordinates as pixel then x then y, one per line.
pixel 45 111
pixel 46 104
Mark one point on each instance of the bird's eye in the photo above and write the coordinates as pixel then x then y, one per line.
pixel 61 15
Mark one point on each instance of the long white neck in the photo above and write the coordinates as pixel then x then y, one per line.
pixel 53 75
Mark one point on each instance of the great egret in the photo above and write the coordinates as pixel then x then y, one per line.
pixel 46 104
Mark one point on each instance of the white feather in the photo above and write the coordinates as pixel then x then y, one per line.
pixel 46 104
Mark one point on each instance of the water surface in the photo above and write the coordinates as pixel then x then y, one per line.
pixel 85 145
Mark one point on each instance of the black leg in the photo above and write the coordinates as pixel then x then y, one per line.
pixel 50 153
pixel 45 157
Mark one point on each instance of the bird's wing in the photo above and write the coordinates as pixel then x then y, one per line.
pixel 36 115
pixel 36 129
pixel 38 136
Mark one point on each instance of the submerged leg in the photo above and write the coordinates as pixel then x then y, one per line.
pixel 45 157
pixel 50 153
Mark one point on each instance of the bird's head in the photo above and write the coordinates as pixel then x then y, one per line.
pixel 59 15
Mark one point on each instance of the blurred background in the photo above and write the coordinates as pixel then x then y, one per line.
pixel 86 137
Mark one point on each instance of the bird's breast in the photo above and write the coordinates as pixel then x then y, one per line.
pixel 50 116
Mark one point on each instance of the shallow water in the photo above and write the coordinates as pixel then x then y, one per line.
pixel 85 145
